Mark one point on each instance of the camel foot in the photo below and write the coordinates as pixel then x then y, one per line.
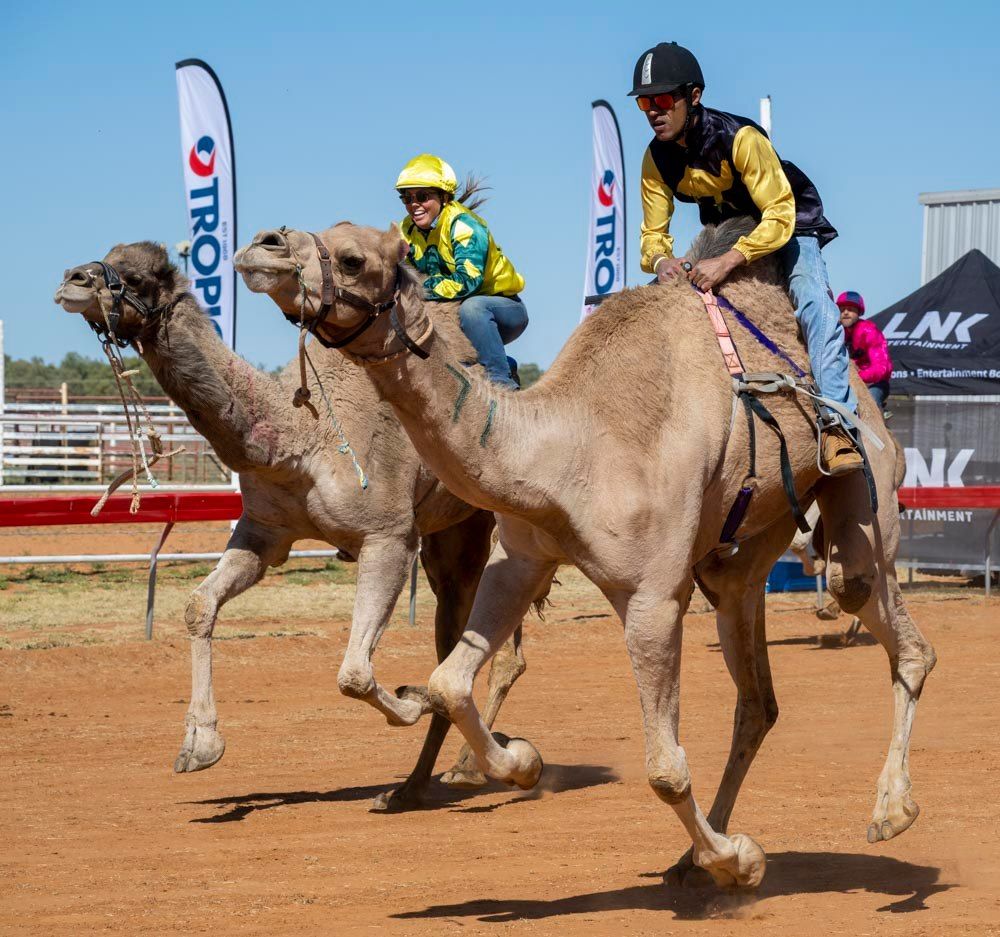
pixel 528 764
pixel 898 819
pixel 401 800
pixel 413 703
pixel 464 775
pixel 829 612
pixel 743 868
pixel 464 779
pixel 685 874
pixel 202 747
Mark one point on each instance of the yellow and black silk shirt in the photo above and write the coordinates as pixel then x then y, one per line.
pixel 728 168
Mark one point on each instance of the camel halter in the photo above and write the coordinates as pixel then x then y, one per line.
pixel 302 396
pixel 111 343
pixel 331 292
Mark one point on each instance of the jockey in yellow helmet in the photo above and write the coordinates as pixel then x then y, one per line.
pixel 453 248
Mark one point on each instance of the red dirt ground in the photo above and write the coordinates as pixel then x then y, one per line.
pixel 100 836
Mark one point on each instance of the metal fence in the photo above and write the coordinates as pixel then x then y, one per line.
pixel 57 444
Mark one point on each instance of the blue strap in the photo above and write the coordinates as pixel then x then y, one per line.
pixel 764 340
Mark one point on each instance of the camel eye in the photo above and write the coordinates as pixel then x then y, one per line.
pixel 352 264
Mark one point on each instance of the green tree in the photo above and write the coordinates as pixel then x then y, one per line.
pixel 85 377
pixel 529 373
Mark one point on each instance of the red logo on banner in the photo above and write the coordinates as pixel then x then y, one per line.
pixel 606 189
pixel 202 157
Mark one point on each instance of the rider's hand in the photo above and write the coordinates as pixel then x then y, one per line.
pixel 707 274
pixel 669 267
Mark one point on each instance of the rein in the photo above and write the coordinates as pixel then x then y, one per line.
pixel 111 343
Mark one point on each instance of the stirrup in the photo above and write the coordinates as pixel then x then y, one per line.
pixel 825 422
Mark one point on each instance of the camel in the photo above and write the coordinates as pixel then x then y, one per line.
pixel 297 485
pixel 624 459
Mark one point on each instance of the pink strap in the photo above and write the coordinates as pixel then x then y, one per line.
pixel 729 353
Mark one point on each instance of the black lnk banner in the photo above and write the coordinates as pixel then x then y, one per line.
pixel 945 337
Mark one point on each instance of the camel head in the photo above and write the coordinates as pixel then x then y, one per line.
pixel 285 264
pixel 146 273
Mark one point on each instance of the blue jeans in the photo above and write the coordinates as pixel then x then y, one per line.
pixel 819 319
pixel 879 393
pixel 490 322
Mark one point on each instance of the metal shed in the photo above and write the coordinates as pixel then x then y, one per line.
pixel 954 224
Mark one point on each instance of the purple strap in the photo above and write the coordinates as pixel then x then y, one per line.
pixel 759 335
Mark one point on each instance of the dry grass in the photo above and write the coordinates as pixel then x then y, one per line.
pixel 47 606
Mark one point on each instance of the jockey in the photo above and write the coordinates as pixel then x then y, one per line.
pixel 726 165
pixel 866 345
pixel 454 250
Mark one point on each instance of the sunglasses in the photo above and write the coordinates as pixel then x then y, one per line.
pixel 421 196
pixel 662 102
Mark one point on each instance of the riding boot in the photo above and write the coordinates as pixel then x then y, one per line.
pixel 840 451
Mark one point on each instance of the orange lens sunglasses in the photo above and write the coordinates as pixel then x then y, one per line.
pixel 663 102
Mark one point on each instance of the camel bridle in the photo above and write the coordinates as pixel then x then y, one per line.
pixel 121 293
pixel 331 292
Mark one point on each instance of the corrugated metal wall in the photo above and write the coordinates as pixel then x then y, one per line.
pixel 957 222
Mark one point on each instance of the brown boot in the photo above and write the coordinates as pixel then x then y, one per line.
pixel 840 452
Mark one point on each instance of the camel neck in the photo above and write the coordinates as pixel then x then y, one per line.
pixel 480 439
pixel 227 400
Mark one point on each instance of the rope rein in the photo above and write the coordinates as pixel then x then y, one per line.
pixel 302 396
pixel 130 397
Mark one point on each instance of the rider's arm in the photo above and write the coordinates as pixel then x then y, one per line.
pixel 760 169
pixel 657 210
pixel 470 244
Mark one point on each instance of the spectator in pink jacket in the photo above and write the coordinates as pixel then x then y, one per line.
pixel 866 345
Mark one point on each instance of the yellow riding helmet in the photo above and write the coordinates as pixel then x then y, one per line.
pixel 430 171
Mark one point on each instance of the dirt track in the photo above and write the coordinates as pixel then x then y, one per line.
pixel 99 836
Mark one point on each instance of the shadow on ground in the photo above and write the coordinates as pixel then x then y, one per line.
pixel 556 779
pixel 788 873
pixel 836 641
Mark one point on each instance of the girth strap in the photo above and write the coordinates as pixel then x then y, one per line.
pixel 787 476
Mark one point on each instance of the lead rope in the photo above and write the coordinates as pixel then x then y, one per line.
pixel 133 422
pixel 302 395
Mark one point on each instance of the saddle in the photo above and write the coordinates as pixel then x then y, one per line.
pixel 746 388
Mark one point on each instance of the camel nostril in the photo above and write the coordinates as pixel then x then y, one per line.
pixel 77 277
pixel 271 240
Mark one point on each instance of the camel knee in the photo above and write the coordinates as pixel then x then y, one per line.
pixel 355 679
pixel 199 615
pixel 851 590
pixel 508 667
pixel 669 777
pixel 449 693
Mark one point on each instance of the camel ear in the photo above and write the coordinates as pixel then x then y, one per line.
pixel 395 239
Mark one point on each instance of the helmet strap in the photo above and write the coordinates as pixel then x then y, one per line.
pixel 690 114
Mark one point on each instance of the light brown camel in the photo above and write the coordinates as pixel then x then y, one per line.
pixel 624 459
pixel 296 485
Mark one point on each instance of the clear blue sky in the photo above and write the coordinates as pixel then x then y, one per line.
pixel 877 102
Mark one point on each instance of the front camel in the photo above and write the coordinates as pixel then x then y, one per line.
pixel 296 484
pixel 624 460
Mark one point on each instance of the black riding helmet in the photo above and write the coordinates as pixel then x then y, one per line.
pixel 664 68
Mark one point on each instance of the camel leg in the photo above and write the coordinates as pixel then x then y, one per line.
pixel 736 588
pixel 453 560
pixel 508 664
pixel 251 549
pixel 861 554
pixel 509 584
pixel 802 543
pixel 383 565
pixel 653 639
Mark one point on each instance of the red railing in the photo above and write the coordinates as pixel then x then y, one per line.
pixel 172 508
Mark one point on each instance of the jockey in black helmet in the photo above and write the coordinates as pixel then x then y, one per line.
pixel 727 165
